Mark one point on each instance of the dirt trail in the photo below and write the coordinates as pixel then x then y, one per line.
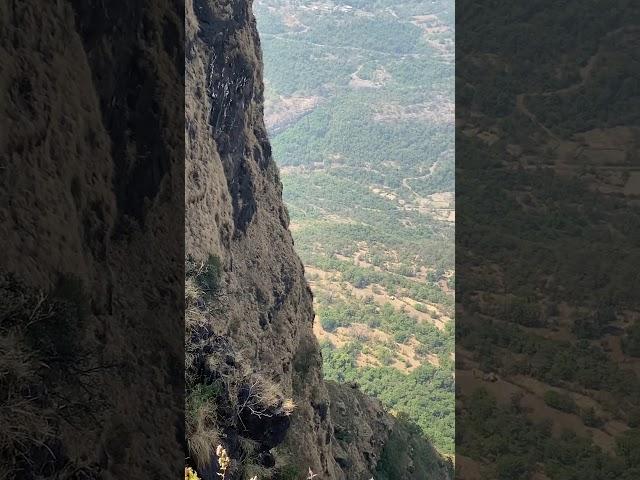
pixel 405 181
pixel 522 108
pixel 585 74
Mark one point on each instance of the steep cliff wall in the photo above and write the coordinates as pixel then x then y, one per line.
pixel 234 211
pixel 91 264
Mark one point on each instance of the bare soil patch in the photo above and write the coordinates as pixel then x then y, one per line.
pixel 321 280
pixel 440 111
pixel 406 359
pixel 531 391
pixel 280 113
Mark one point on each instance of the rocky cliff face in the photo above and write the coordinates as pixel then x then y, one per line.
pixel 234 211
pixel 91 190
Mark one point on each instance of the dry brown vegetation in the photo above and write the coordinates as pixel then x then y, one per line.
pixel 236 388
pixel 24 424
pixel 330 282
pixel 405 357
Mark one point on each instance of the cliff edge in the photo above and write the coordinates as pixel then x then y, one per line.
pixel 253 340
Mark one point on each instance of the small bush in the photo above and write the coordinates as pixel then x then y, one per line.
pixel 344 435
pixel 207 274
pixel 45 369
pixel 384 355
pixel 590 418
pixel 329 324
pixel 560 401
pixel 511 466
pixel 263 397
pixel 289 472
pixel 628 447
pixel 421 308
pixel 202 294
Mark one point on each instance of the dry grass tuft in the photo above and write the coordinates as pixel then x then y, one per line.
pixel 26 415
pixel 195 315
pixel 202 432
pixel 288 406
pixel 23 422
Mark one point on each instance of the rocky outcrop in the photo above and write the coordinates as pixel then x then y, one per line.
pixel 234 211
pixel 368 442
pixel 360 430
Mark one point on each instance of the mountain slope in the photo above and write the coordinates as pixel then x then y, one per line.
pixel 548 376
pixel 261 329
pixel 91 193
pixel 359 106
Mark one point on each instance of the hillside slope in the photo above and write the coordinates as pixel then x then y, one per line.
pixel 548 373
pixel 359 107
pixel 262 331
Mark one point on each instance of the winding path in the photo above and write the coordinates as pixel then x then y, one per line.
pixel 585 73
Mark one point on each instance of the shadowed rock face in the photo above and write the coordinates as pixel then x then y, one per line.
pixel 234 210
pixel 92 189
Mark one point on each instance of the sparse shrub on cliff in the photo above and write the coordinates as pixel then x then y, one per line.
pixel 203 295
pixel 207 274
pixel 202 288
pixel 195 316
pixel 223 393
pixel 289 472
pixel 23 422
pixel 262 397
pixel 201 427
